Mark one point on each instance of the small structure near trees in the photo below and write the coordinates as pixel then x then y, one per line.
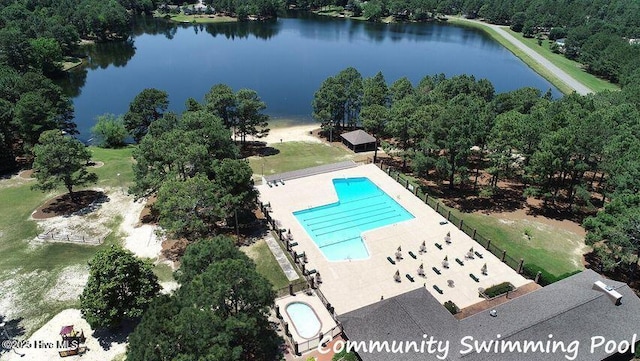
pixel 359 141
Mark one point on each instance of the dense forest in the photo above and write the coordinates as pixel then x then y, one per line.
pixel 575 153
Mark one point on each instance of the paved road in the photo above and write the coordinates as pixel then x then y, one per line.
pixel 559 73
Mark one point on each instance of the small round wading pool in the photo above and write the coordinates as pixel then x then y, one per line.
pixel 304 319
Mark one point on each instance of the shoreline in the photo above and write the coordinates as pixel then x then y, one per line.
pixel 290 133
pixel 545 68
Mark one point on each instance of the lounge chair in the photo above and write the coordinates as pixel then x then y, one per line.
pixel 410 278
pixel 391 260
pixel 412 255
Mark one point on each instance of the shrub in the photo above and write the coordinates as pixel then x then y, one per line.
pixel 344 356
pixel 451 307
pixel 498 289
pixel 109 131
pixel 531 270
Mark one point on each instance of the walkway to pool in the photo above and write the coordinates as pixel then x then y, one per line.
pixel 282 259
pixel 353 284
pixel 301 173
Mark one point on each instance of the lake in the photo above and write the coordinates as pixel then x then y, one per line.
pixel 285 61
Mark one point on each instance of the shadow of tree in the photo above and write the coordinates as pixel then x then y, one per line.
pixel 503 200
pixel 12 330
pixel 82 202
pixel 258 148
pixel 107 336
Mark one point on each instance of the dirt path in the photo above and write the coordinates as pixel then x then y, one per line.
pixel 557 72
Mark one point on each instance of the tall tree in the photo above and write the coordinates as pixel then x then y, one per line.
pixel 146 107
pixel 219 313
pixel 401 125
pixel 120 287
pixel 188 208
pixel 61 160
pixel 201 254
pixel 351 82
pixel 454 133
pixel 400 89
pixel 221 101
pixel 249 119
pixel 328 105
pixel 375 91
pixel 374 120
pixel 179 150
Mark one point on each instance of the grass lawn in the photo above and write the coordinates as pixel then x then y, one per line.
pixel 298 155
pixel 27 272
pixel 116 161
pixel 70 62
pixel 164 272
pixel 182 18
pixel 555 250
pixel 549 248
pixel 266 264
pixel 571 67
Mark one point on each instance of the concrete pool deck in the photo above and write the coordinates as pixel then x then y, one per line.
pixel 350 285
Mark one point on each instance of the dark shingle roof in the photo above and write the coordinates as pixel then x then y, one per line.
pixel 570 310
pixel 358 137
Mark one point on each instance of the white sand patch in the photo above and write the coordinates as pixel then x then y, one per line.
pixel 9 298
pixel 89 228
pixel 96 225
pixel 70 284
pixel 140 239
pixel 49 333
pixel 296 133
pixel 168 287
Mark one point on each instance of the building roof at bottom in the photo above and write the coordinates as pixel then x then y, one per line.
pixel 569 312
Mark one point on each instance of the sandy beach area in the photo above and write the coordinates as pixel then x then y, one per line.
pixel 294 133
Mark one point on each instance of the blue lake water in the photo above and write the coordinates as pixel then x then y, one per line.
pixel 336 228
pixel 284 60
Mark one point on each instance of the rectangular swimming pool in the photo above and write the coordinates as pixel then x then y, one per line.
pixel 336 228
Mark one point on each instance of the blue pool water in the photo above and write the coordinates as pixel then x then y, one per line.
pixel 304 319
pixel 336 228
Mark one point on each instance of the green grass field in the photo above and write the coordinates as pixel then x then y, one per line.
pixel 555 250
pixel 28 272
pixel 571 67
pixel 266 264
pixel 298 155
pixel 200 19
pixel 550 248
